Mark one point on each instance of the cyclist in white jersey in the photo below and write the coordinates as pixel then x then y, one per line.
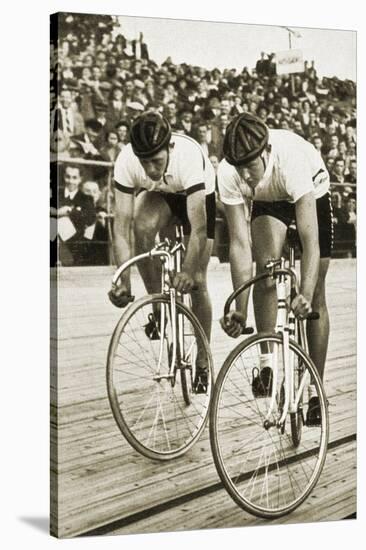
pixel 282 178
pixel 162 178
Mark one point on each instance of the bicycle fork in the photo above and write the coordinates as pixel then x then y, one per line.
pixel 285 327
pixel 165 313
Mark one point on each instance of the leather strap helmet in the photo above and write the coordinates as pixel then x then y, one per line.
pixel 149 134
pixel 245 138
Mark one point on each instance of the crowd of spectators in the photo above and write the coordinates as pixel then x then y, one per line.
pixel 100 82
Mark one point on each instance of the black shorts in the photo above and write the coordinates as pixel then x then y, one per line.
pixel 285 212
pixel 178 206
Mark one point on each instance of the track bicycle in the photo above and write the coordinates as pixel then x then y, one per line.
pixel 153 360
pixel 268 456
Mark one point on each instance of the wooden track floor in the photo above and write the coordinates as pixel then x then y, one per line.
pixel 101 485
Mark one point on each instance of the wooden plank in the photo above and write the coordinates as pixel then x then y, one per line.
pixel 218 510
pixel 100 478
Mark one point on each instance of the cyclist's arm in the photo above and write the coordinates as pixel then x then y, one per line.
pixel 196 211
pixel 122 230
pixel 240 251
pixel 307 226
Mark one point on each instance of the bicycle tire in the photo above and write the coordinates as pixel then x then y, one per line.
pixel 261 469
pixel 150 413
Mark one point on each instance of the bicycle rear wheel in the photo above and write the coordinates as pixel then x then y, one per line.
pixel 148 405
pixel 258 464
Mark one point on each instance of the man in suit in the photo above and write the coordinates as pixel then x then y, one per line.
pixel 67 119
pixel 79 209
pixel 203 138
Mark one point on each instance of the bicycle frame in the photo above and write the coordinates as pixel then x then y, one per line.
pixel 286 325
pixel 171 260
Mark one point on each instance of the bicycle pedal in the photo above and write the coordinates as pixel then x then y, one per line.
pixel 313 415
pixel 152 329
pixel 200 383
pixel 262 382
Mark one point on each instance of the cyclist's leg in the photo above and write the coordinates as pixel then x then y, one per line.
pixel 268 235
pixel 318 330
pixel 151 214
pixel 201 303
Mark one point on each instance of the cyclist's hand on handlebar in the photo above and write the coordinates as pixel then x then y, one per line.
pixel 301 306
pixel 120 296
pixel 233 323
pixel 183 282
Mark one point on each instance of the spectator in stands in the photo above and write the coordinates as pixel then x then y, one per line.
pixel 96 234
pixel 333 150
pixel 101 117
pixel 351 209
pixel 122 129
pixel 350 133
pixel 215 162
pixel 85 93
pixel 128 91
pixel 79 211
pixel 68 120
pixel 349 229
pixel 330 166
pixel 67 73
pixel 313 127
pixel 218 134
pixel 262 112
pixel 261 66
pixel 111 149
pixel 202 137
pixel 329 130
pixel 133 110
pixel 116 106
pixel 298 129
pixel 318 143
pixel 171 114
pixel 85 144
pixel 337 175
pixel 105 72
pixel 342 148
pixel 170 93
pixel 351 177
pixel 237 108
pixel 351 150
pixel 100 88
pixel 140 95
pixel 186 122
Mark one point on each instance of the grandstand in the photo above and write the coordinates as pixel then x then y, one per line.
pixel 100 81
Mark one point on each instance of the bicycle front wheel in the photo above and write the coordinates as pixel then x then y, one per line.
pixel 259 464
pixel 145 389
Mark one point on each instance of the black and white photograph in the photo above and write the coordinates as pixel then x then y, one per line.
pixel 203 261
pixel 182 274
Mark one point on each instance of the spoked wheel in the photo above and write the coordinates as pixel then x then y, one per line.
pixel 150 406
pixel 258 463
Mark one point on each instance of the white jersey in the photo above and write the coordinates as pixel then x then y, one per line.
pixel 188 170
pixel 294 169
